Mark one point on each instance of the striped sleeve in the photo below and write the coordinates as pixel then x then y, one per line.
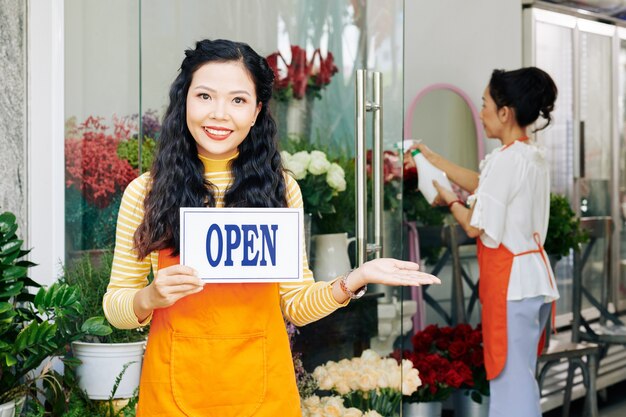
pixel 128 274
pixel 308 301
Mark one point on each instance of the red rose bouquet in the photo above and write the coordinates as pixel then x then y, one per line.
pixel 448 358
pixel 301 75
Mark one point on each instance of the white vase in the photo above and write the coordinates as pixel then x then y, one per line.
pixel 331 255
pixel 103 362
pixel 293 117
pixel 7 409
pixel 298 117
pixel 427 409
pixel 464 406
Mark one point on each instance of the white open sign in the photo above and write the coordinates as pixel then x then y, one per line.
pixel 242 244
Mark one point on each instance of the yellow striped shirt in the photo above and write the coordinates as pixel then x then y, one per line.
pixel 301 303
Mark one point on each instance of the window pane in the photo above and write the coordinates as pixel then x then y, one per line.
pixel 101 123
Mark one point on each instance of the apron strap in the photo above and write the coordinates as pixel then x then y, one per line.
pixel 540 251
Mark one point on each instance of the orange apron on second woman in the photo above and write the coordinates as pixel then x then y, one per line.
pixel 495 266
pixel 223 352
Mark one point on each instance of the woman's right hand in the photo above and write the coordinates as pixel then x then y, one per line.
pixel 169 285
pixel 428 153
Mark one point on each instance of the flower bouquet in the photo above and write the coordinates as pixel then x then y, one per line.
pixel 448 358
pixel 369 382
pixel 320 180
pixel 315 406
pixel 301 76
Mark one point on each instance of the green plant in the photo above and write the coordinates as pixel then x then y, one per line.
pixel 564 231
pixel 129 151
pixel 66 399
pixel 81 405
pixel 32 327
pixel 87 226
pixel 91 279
pixel 344 218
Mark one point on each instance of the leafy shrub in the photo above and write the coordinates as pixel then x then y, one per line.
pixel 564 231
pixel 91 278
pixel 32 327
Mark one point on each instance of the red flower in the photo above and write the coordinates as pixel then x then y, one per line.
pixel 477 358
pixel 457 349
pixel 422 342
pixel 447 358
pixel 302 75
pixel 92 165
pixel 442 343
pixel 461 331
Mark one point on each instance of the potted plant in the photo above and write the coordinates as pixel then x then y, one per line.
pixel 103 357
pixel 32 326
pixel 564 230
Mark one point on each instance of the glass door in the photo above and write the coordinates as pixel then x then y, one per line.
pixel 620 217
pixel 554 53
pixel 101 119
pixel 595 141
pixel 121 58
pixel 578 54
pixel 350 35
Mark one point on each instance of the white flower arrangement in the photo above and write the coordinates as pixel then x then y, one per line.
pixel 369 382
pixel 315 406
pixel 319 179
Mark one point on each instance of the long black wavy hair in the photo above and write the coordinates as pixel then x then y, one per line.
pixel 177 173
pixel 530 91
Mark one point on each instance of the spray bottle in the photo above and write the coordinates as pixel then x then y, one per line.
pixel 426 172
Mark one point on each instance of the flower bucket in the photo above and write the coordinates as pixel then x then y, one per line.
pixel 103 362
pixel 427 409
pixel 7 409
pixel 464 406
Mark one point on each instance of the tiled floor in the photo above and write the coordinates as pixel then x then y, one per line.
pixel 613 405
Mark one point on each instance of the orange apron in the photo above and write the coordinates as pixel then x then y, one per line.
pixel 495 271
pixel 223 352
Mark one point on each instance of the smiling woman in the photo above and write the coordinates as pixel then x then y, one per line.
pixel 221 108
pixel 218 149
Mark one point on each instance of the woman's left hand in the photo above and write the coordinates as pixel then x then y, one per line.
pixel 389 271
pixel 445 196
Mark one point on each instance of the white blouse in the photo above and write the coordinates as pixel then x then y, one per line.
pixel 512 202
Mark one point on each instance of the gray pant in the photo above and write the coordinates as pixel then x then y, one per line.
pixel 515 393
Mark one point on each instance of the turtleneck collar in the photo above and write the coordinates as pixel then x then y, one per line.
pixel 211 165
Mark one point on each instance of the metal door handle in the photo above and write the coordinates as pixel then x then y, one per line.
pixel 362 107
